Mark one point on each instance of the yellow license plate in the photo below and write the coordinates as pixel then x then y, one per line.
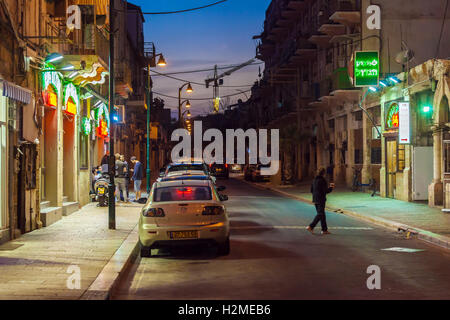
pixel 183 234
pixel 101 190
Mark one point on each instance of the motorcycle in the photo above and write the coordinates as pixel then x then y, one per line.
pixel 101 190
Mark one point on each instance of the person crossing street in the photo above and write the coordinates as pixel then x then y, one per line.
pixel 319 190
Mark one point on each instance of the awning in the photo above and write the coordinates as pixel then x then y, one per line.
pixel 101 6
pixel 16 92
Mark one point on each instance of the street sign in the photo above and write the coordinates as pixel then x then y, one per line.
pixel 366 68
pixel 404 123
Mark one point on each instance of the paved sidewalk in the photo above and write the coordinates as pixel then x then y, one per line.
pixel 433 225
pixel 35 265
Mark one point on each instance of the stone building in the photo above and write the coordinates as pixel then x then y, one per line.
pixel 308 91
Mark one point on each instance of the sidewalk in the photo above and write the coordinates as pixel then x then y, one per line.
pixel 431 223
pixel 35 265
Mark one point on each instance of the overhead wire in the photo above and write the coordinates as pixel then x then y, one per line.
pixel 204 70
pixel 200 99
pixel 197 83
pixel 187 10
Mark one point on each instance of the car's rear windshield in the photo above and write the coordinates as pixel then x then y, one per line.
pixel 185 167
pixel 182 193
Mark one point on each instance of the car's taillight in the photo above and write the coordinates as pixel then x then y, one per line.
pixel 212 210
pixel 153 213
pixel 226 165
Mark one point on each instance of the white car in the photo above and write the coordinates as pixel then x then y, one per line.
pixel 193 168
pixel 184 212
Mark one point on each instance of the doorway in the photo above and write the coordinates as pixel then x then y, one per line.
pixel 69 158
pixel 391 167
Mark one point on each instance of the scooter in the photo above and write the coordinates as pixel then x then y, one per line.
pixel 101 190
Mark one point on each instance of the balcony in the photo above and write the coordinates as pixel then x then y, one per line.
pixel 347 12
pixel 91 43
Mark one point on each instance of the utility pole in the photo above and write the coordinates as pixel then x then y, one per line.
pixel 149 104
pixel 112 165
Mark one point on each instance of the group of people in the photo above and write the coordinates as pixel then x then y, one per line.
pixel 122 177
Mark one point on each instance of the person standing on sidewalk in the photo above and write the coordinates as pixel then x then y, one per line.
pixel 319 190
pixel 120 180
pixel 138 174
pixel 127 176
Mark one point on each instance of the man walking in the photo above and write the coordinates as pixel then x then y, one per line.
pixel 319 189
pixel 120 180
pixel 138 174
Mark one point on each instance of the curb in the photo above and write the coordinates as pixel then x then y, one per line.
pixel 424 235
pixel 115 269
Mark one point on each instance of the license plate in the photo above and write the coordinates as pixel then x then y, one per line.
pixel 101 190
pixel 183 234
pixel 218 170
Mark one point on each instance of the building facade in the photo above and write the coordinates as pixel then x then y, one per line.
pixel 308 92
pixel 54 106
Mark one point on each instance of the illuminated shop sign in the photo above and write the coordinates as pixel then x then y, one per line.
pixel 404 135
pixel 85 126
pixel 50 99
pixel 101 115
pixel 71 100
pixel 392 119
pixel 367 68
pixel 52 78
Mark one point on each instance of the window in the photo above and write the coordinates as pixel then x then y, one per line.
pixel 358 115
pixel 84 143
pixel 182 193
pixel 375 155
pixel 400 157
pixel 358 156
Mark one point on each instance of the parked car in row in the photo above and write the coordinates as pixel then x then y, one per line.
pixel 219 170
pixel 252 172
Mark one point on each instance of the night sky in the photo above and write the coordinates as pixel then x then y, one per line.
pixel 220 35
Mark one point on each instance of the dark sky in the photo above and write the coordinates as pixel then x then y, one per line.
pixel 219 35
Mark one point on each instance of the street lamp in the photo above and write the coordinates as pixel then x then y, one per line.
pixel 180 104
pixel 161 63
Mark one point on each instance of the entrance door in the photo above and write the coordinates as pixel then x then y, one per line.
pixel 3 174
pixel 391 167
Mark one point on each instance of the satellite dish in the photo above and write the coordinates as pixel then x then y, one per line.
pixel 405 56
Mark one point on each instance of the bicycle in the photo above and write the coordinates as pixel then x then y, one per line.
pixel 358 185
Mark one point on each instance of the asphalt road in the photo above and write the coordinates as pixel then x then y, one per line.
pixel 274 257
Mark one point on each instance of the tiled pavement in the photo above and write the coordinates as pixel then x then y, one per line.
pixel 35 265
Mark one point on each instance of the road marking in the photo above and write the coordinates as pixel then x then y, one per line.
pixel 398 249
pixel 297 227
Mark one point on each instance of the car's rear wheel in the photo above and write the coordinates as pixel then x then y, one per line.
pixel 145 251
pixel 223 249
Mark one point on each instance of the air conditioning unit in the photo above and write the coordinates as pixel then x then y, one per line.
pixel 375 134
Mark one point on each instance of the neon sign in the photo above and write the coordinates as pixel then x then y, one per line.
pixel 367 68
pixel 52 78
pixel 85 126
pixel 393 120
pixel 71 100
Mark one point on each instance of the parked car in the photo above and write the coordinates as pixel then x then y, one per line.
pixel 256 173
pixel 183 212
pixel 236 168
pixel 219 170
pixel 248 170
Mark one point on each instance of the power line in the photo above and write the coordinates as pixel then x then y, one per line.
pixel 201 99
pixel 187 10
pixel 442 29
pixel 198 83
pixel 204 70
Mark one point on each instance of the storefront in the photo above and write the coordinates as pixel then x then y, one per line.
pixel 51 97
pixel 3 162
pixel 101 124
pixel 70 111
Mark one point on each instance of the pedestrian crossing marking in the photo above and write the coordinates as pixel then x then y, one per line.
pixel 297 227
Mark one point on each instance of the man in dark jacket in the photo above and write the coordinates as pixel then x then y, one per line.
pixel 138 175
pixel 319 190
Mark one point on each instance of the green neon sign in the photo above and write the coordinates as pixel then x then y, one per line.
pixel 367 68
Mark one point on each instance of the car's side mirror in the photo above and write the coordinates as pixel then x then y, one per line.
pixel 223 197
pixel 221 188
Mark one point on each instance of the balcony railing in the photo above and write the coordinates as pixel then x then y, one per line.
pixel 90 40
